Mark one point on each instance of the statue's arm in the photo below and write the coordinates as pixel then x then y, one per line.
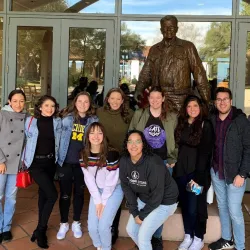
pixel 145 77
pixel 199 73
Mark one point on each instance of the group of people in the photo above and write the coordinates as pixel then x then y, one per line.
pixel 154 157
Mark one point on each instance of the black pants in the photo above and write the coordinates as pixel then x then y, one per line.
pixel 193 223
pixel 68 175
pixel 43 171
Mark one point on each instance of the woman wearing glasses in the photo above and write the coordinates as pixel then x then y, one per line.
pixel 151 195
pixel 115 117
pixel 158 125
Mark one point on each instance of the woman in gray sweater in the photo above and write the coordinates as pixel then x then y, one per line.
pixel 11 142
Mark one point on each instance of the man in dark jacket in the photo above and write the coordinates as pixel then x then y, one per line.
pixel 230 168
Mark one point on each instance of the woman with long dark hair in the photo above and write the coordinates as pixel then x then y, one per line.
pixel 12 117
pixel 43 133
pixel 100 165
pixel 151 195
pixel 195 139
pixel 115 116
pixel 75 120
pixel 158 125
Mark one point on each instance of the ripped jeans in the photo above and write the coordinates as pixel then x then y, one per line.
pixel 71 175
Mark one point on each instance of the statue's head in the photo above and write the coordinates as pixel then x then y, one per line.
pixel 169 27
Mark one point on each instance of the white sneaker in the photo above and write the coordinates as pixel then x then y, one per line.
pixel 77 230
pixel 186 243
pixel 99 248
pixel 64 228
pixel 197 244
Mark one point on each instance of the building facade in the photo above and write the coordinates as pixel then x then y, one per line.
pixel 46 46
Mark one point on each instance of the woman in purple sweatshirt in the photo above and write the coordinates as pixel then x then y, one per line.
pixel 101 174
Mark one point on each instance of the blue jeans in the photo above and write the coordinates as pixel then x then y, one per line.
pixel 100 229
pixel 229 199
pixel 142 234
pixel 158 232
pixel 8 190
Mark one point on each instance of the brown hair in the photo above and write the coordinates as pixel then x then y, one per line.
pixel 41 100
pixel 85 153
pixel 164 106
pixel 71 108
pixel 124 109
pixel 223 90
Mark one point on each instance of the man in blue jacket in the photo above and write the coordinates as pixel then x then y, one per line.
pixel 230 168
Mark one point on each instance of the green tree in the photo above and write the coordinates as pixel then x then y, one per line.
pixel 217 44
pixel 130 41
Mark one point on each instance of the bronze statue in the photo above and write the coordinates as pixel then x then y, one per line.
pixel 170 64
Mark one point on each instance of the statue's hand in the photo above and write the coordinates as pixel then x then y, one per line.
pixel 138 96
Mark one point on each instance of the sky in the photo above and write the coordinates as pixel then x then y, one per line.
pixel 195 7
pixel 180 7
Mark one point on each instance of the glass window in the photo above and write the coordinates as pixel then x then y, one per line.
pixel 1 5
pixel 244 7
pixel 177 7
pixel 1 57
pixel 86 62
pixel 247 78
pixel 68 6
pixel 212 40
pixel 34 62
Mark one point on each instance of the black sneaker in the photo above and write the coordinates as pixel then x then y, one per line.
pixel 221 244
pixel 157 243
pixel 7 236
pixel 1 238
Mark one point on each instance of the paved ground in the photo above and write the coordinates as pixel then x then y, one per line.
pixel 25 221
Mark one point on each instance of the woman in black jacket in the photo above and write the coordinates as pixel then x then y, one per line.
pixel 151 195
pixel 195 138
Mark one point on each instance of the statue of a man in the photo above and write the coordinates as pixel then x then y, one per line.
pixel 170 64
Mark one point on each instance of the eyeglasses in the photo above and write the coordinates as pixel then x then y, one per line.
pixel 225 100
pixel 137 142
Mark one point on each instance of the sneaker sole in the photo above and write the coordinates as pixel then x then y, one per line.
pixel 78 237
pixel 200 247
pixel 224 248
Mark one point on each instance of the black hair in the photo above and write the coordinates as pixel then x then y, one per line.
pixel 146 149
pixel 196 128
pixel 16 91
pixel 41 100
pixel 223 90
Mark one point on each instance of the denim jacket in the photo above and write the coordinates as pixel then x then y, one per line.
pixel 67 125
pixel 31 139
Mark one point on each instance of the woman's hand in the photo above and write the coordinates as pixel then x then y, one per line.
pixel 193 183
pixel 137 220
pixel 2 168
pixel 170 165
pixel 99 210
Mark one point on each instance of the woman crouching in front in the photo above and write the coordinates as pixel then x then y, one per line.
pixel 151 195
pixel 101 174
